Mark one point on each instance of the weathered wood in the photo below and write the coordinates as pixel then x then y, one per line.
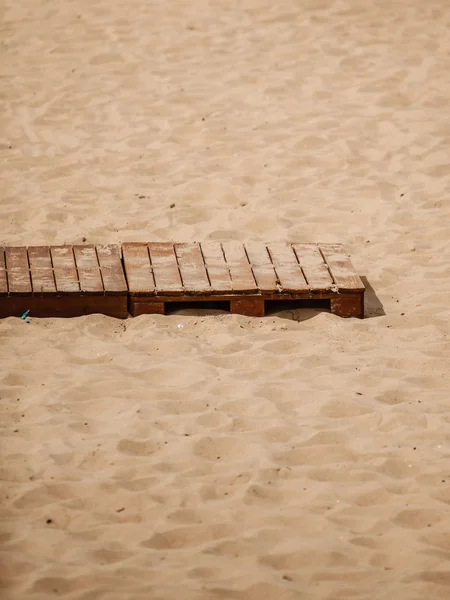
pixel 65 271
pixel 313 266
pixel 348 305
pixel 41 269
pixel 262 266
pixel 165 268
pixel 250 306
pixel 18 271
pixel 287 268
pixel 3 277
pixel 241 274
pixel 216 266
pixel 88 269
pixel 192 268
pixel 138 269
pixel 111 269
pixel 341 268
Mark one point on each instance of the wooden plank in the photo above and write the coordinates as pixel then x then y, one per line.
pixel 165 268
pixel 313 265
pixel 218 271
pixel 65 271
pixel 138 269
pixel 41 269
pixel 241 273
pixel 192 268
pixel 262 267
pixel 88 269
pixel 341 268
pixel 111 269
pixel 287 268
pixel 3 277
pixel 18 270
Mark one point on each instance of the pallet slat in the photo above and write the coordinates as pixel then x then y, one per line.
pixel 138 269
pixel 341 268
pixel 111 269
pixel 41 270
pixel 262 266
pixel 3 278
pixel 241 273
pixel 165 268
pixel 218 271
pixel 19 281
pixel 88 269
pixel 192 268
pixel 64 268
pixel 313 265
pixel 287 268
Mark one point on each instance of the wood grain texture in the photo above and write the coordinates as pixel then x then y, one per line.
pixel 165 268
pixel 111 269
pixel 287 268
pixel 192 268
pixel 64 268
pixel 341 268
pixel 241 274
pixel 313 266
pixel 41 269
pixel 19 281
pixel 88 269
pixel 218 271
pixel 262 266
pixel 138 270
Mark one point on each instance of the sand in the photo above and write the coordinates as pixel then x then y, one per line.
pixel 297 457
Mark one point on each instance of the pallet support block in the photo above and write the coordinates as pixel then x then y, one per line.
pixel 348 305
pixel 146 308
pixel 250 307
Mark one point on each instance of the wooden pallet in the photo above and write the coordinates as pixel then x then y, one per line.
pixel 247 276
pixel 62 281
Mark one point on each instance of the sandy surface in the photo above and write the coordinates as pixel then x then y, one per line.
pixel 297 457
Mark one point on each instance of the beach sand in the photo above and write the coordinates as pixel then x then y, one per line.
pixel 297 457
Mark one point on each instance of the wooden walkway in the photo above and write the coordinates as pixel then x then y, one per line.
pixel 247 276
pixel 69 281
pixel 62 281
